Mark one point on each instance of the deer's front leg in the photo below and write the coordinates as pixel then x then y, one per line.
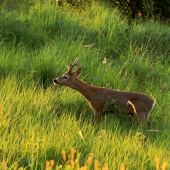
pixel 98 115
pixel 98 111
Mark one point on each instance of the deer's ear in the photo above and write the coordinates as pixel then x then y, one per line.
pixel 77 72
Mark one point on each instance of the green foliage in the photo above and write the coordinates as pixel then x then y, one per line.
pixel 111 107
pixel 38 120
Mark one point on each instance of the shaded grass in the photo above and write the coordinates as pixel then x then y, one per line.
pixel 38 120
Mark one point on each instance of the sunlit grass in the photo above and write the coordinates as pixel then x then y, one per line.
pixel 38 121
pixel 73 163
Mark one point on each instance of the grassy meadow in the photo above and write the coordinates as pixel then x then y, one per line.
pixel 38 39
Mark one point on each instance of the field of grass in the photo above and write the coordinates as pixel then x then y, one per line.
pixel 38 120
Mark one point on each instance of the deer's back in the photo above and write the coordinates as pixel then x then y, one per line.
pixel 141 101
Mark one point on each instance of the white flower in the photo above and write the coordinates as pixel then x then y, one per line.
pixel 104 61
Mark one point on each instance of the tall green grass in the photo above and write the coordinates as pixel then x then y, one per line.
pixel 38 121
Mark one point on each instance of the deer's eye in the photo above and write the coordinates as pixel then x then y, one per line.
pixel 65 77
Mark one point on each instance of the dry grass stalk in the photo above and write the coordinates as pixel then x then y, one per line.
pixel 153 98
pixel 132 106
pixel 81 135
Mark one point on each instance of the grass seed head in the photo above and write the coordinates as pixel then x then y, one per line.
pixel 89 160
pixel 96 165
pixel 164 165
pixel 105 167
pixel 72 154
pixel 157 163
pixel 64 155
pixel 122 167
pixel 49 165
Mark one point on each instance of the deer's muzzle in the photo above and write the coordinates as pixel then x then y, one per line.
pixel 55 81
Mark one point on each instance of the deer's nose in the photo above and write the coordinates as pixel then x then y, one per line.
pixel 55 81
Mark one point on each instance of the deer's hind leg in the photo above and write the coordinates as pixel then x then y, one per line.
pixel 142 118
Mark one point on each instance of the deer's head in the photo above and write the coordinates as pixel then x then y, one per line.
pixel 68 78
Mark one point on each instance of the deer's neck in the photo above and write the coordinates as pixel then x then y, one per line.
pixel 85 89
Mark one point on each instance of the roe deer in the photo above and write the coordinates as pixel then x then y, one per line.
pixel 137 105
